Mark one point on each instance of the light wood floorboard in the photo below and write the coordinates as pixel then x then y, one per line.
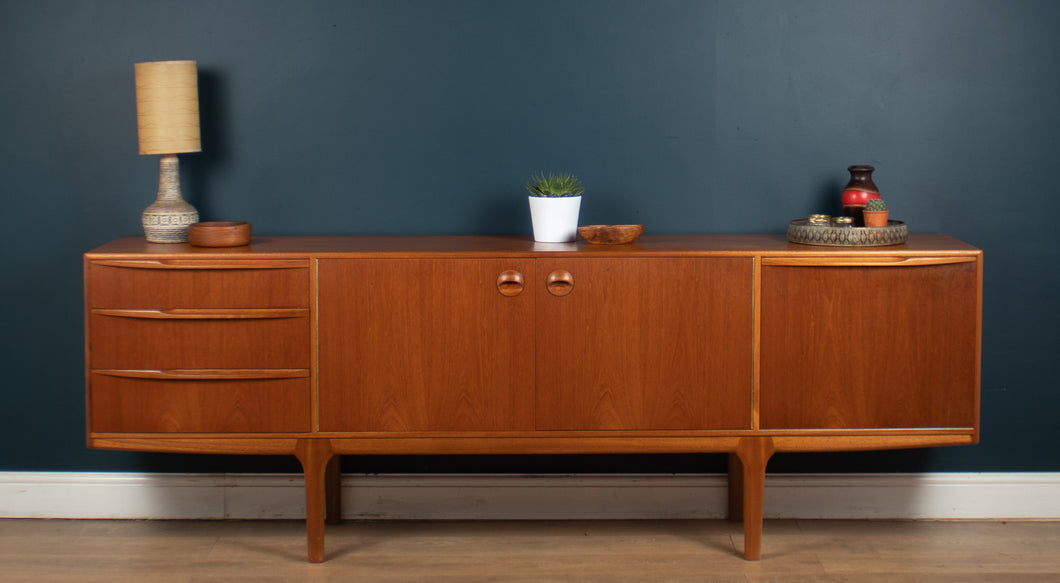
pixel 87 551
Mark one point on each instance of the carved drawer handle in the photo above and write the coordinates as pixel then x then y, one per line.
pixel 560 282
pixel 196 264
pixel 204 374
pixel 865 261
pixel 510 283
pixel 206 313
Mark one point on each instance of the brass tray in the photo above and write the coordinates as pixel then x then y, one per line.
pixel 801 231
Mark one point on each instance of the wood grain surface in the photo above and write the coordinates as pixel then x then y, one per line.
pixel 648 344
pixel 861 347
pixel 424 344
pixel 826 551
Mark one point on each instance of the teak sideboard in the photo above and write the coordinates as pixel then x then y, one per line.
pixel 741 344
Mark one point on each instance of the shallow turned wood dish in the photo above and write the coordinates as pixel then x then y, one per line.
pixel 219 234
pixel 610 234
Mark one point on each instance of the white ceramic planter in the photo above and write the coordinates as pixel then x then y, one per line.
pixel 555 219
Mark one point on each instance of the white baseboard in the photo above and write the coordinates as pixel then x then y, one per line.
pixel 942 496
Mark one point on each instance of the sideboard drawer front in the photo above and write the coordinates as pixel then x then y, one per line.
pixel 852 347
pixel 132 405
pixel 122 342
pixel 190 284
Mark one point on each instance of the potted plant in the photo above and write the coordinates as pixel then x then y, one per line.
pixel 555 201
pixel 875 213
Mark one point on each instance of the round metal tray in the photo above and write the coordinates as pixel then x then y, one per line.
pixel 801 231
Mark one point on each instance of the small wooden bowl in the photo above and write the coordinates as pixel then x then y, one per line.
pixel 610 234
pixel 219 234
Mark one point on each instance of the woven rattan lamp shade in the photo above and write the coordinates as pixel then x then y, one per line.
pixel 167 107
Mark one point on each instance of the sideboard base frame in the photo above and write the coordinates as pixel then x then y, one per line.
pixel 747 460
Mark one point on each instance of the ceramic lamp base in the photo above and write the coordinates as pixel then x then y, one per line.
pixel 168 218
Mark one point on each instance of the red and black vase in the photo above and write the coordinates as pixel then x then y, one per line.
pixel 860 190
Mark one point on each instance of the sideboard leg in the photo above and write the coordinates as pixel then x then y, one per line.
pixel 333 489
pixel 753 453
pixel 735 488
pixel 315 454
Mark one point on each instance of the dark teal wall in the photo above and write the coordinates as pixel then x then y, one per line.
pixel 415 117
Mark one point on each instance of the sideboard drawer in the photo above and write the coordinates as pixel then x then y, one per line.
pixel 198 284
pixel 864 345
pixel 129 340
pixel 157 405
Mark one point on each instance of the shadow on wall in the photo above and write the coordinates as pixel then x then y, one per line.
pixel 215 133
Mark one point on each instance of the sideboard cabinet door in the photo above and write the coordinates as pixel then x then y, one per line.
pixel 654 343
pixel 426 344
pixel 870 346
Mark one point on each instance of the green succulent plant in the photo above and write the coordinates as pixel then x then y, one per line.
pixel 875 204
pixel 554 185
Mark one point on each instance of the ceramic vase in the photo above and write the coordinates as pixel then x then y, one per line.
pixel 858 191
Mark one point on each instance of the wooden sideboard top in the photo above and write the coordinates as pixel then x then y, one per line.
pixel 508 246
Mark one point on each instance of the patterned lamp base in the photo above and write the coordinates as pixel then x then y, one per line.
pixel 168 218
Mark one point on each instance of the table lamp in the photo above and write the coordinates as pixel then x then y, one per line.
pixel 167 120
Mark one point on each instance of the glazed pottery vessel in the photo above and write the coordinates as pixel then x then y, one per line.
pixel 860 190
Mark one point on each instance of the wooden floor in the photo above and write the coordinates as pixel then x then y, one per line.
pixel 614 551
